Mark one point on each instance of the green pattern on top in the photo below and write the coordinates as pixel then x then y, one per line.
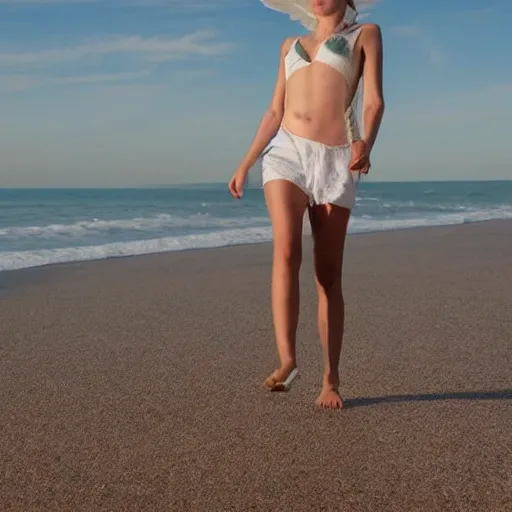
pixel 338 45
pixel 301 51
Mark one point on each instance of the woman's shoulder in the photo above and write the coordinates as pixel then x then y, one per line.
pixel 371 37
pixel 287 44
pixel 371 29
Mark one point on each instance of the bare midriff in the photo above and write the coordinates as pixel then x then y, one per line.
pixel 316 100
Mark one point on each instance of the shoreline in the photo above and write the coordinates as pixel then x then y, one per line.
pixel 62 265
pixel 222 184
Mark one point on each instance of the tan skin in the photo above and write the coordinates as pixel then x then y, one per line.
pixel 312 105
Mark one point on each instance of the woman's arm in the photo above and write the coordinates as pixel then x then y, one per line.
pixel 272 117
pixel 373 98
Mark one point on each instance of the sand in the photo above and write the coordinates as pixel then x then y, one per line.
pixel 135 384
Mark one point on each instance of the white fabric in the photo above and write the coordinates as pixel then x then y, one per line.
pixel 341 62
pixel 300 10
pixel 320 171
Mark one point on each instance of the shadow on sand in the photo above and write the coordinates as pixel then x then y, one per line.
pixel 505 394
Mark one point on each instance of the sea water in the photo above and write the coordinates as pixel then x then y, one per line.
pixel 44 226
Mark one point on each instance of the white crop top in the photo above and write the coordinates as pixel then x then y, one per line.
pixel 336 51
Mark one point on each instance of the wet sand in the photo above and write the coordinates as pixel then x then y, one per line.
pixel 135 384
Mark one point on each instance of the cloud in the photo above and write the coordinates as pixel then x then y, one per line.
pixel 189 4
pixel 407 30
pixel 14 83
pixel 43 2
pixel 478 14
pixel 24 82
pixel 478 108
pixel 198 44
pixel 435 55
pixel 139 56
pixel 181 4
pixel 447 135
pixel 18 83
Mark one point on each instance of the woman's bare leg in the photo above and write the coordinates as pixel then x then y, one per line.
pixel 329 226
pixel 286 204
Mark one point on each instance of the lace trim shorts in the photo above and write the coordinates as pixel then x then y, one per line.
pixel 320 171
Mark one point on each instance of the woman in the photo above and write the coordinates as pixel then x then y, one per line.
pixel 309 163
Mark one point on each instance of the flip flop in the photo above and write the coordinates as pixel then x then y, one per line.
pixel 273 385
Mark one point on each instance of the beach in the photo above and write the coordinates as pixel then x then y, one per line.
pixel 136 383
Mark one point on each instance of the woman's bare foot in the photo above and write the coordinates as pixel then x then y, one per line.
pixel 329 398
pixel 275 381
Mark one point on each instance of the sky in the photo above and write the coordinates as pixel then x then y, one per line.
pixel 121 93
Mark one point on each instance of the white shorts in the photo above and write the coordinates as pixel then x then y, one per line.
pixel 320 171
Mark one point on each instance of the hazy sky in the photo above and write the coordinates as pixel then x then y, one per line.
pixel 136 92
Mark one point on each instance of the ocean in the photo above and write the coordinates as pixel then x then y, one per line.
pixel 45 226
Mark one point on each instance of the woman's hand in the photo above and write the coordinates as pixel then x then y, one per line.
pixel 360 157
pixel 237 183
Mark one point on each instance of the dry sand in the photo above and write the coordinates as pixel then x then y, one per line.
pixel 135 384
